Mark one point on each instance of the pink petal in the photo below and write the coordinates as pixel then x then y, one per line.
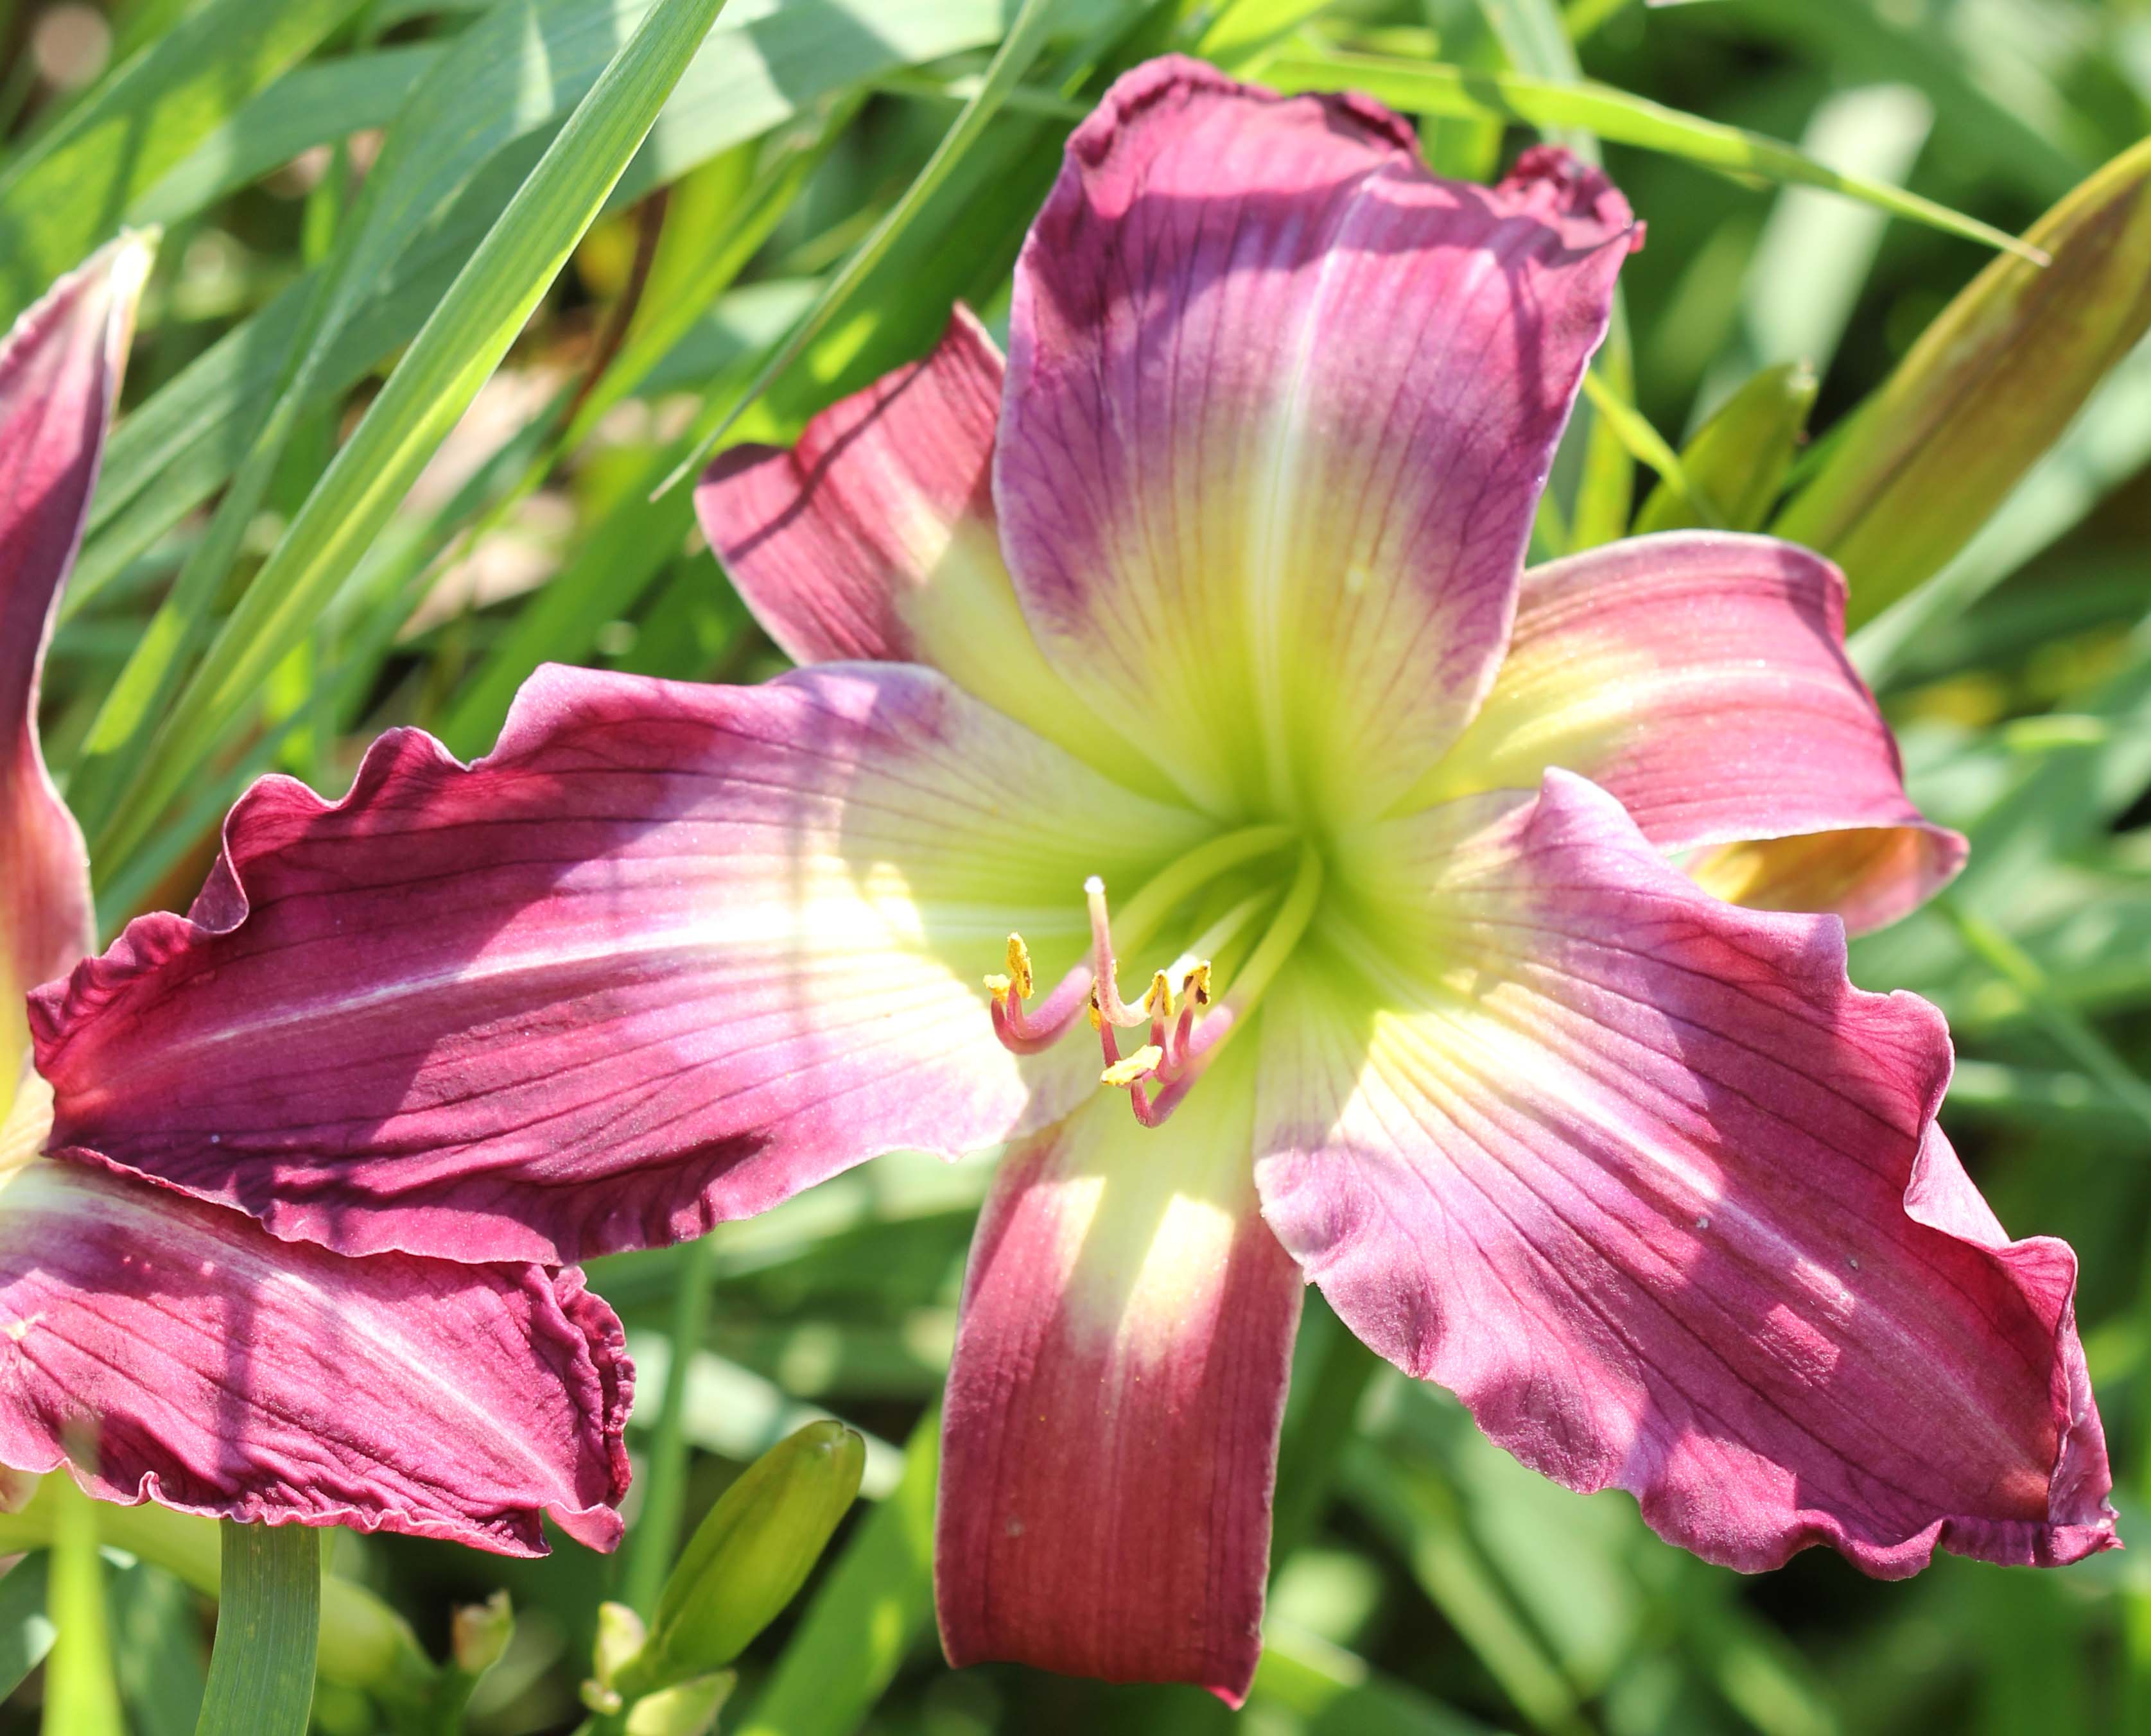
pixel 173 1351
pixel 670 954
pixel 1279 407
pixel 837 542
pixel 1110 1444
pixel 59 379
pixel 1701 678
pixel 874 538
pixel 1655 1192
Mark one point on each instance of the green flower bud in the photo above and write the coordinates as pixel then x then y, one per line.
pixel 690 1709
pixel 750 1556
pixel 621 1639
pixel 479 1633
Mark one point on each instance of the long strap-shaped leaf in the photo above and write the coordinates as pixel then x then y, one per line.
pixel 1010 61
pixel 67 192
pixel 1418 88
pixel 453 356
pixel 269 1613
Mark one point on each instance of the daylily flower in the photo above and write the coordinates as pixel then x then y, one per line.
pixel 1193 644
pixel 169 1349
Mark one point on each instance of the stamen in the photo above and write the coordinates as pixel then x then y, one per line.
pixel 1194 1049
pixel 1140 1065
pixel 1028 1033
pixel 1091 986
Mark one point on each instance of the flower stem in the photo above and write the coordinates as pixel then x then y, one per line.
pixel 364 1643
pixel 649 1550
pixel 268 1626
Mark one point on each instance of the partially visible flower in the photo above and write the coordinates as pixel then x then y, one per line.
pixel 1213 593
pixel 169 1349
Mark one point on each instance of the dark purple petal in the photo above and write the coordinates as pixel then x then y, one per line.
pixel 59 379
pixel 172 1351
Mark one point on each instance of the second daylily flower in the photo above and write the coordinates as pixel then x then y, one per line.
pixel 162 1348
pixel 1194 637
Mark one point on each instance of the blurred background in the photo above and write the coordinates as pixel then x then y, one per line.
pixel 337 168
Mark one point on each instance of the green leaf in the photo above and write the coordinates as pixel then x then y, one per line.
pixel 82 1698
pixel 26 1630
pixel 309 105
pixel 70 190
pixel 1336 1693
pixel 1010 61
pixel 458 347
pixel 2105 446
pixel 268 1621
pixel 1736 465
pixel 664 1494
pixel 750 1555
pixel 876 1604
pixel 1611 115
pixel 363 1642
pixel 1989 385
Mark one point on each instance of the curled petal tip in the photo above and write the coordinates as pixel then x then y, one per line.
pixel 1575 189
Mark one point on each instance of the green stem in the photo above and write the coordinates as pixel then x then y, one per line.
pixel 650 1550
pixel 81 1698
pixel 268 1626
pixel 364 1643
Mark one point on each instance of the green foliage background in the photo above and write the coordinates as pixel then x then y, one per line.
pixel 327 511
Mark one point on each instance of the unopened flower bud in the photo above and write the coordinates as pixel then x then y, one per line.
pixel 750 1556
pixel 478 1633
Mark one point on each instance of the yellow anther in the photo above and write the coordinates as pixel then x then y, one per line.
pixel 1019 966
pixel 1158 1003
pixel 1139 1065
pixel 998 987
pixel 1097 1018
pixel 1196 984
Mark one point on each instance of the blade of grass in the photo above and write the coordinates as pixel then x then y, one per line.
pixel 1647 445
pixel 657 1534
pixel 1615 115
pixel 71 189
pixel 320 104
pixel 1337 1692
pixel 468 141
pixel 1010 61
pixel 82 1698
pixel 454 354
pixel 268 1621
pixel 2070 1030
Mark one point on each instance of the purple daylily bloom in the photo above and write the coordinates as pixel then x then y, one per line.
pixel 1211 594
pixel 171 1349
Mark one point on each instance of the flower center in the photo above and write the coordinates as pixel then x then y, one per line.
pixel 1189 1022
